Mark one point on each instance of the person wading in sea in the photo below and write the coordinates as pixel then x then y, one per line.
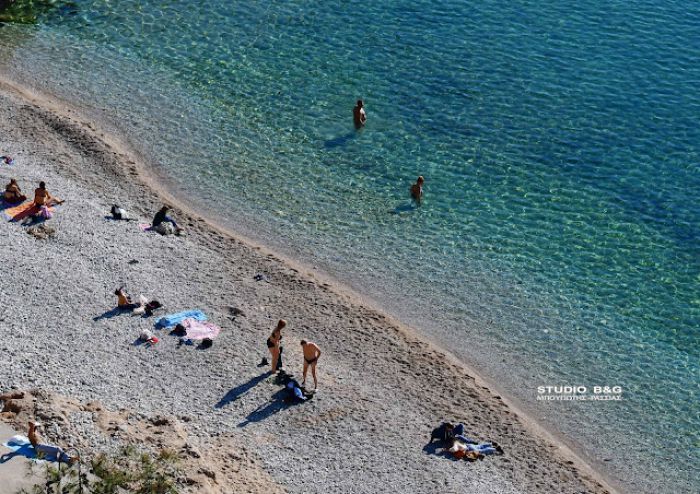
pixel 417 189
pixel 358 114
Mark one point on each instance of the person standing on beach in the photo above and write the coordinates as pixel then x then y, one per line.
pixel 417 189
pixel 311 354
pixel 275 347
pixel 358 114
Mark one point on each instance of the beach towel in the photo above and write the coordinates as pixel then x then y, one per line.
pixel 24 210
pixel 20 445
pixel 145 227
pixel 173 319
pixel 198 330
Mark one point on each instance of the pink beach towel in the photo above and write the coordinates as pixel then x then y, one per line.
pixel 145 227
pixel 198 330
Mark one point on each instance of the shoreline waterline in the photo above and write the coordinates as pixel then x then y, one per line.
pixel 150 178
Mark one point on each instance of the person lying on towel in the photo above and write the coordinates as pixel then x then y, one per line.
pixel 45 451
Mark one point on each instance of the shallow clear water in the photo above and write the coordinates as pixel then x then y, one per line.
pixel 558 241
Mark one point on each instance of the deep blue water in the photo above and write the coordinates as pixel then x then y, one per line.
pixel 559 239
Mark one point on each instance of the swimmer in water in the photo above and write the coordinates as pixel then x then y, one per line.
pixel 417 189
pixel 358 114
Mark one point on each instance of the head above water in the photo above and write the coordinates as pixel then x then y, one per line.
pixel 360 103
pixel 420 180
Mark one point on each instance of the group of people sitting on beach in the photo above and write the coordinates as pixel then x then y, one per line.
pixel 453 440
pixel 42 197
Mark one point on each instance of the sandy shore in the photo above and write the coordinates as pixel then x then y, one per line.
pixel 382 388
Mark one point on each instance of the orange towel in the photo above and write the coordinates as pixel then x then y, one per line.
pixel 22 211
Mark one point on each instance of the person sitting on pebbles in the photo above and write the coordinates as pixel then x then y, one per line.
pixel 47 451
pixel 161 219
pixel 13 194
pixel 124 300
pixel 43 198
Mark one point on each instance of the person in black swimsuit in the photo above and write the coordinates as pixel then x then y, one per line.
pixel 275 347
pixel 311 354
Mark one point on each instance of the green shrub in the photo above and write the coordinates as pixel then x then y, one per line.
pixel 126 471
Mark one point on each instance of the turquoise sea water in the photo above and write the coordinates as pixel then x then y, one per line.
pixel 559 239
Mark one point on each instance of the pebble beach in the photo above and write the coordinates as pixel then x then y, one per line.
pixel 382 388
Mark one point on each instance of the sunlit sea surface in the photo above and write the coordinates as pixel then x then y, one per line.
pixel 558 242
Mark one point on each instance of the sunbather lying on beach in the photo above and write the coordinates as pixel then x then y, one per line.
pixel 45 450
pixel 162 217
pixel 43 198
pixel 473 451
pixel 13 194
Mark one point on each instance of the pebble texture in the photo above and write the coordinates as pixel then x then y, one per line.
pixel 382 388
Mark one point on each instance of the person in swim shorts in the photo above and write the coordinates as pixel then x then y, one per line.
pixel 311 354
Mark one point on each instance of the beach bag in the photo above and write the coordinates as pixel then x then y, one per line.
pixel 45 213
pixel 151 306
pixel 207 343
pixel 118 213
pixel 179 330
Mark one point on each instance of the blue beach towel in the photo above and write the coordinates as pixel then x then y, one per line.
pixel 20 445
pixel 173 319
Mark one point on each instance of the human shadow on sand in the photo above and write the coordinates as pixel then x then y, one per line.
pixel 276 404
pixel 110 314
pixel 437 449
pixel 239 391
pixel 26 451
